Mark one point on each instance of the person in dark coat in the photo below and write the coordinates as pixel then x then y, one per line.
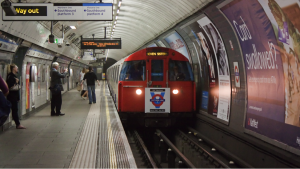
pixel 56 100
pixel 14 95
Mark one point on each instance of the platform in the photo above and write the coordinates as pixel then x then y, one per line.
pixel 88 136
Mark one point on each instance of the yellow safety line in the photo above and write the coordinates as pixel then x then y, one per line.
pixel 113 160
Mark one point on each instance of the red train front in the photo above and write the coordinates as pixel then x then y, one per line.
pixel 155 88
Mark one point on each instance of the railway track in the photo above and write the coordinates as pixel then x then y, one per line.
pixel 179 149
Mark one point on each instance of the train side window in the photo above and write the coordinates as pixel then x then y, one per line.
pixel 133 71
pixel 180 71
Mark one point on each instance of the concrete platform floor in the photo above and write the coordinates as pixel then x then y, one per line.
pixel 48 142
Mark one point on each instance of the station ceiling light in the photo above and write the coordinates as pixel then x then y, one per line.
pixel 120 3
pixel 73 27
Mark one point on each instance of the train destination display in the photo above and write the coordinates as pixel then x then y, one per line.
pixel 60 11
pixel 101 44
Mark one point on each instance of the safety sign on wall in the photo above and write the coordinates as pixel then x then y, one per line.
pixel 157 100
pixel 60 12
pixel 236 74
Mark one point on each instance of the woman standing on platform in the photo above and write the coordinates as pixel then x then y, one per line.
pixel 14 96
pixel 84 92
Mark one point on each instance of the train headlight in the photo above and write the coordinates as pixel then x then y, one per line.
pixel 175 91
pixel 138 91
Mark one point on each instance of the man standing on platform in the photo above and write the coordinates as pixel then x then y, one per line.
pixel 56 88
pixel 90 79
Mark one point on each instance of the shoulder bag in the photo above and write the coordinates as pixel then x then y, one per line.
pixel 5 107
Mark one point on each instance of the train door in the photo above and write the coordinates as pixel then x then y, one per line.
pixel 157 73
pixel 157 94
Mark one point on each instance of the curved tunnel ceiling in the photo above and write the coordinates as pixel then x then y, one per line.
pixel 138 21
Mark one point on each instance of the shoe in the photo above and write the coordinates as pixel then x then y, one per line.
pixel 20 127
pixel 53 114
pixel 84 98
pixel 90 103
pixel 94 103
pixel 61 114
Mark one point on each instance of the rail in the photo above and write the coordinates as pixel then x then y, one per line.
pixel 203 150
pixel 142 145
pixel 237 160
pixel 175 150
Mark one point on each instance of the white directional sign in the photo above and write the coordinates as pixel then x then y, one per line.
pixel 60 12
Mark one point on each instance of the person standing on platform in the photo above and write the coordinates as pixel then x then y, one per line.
pixel 56 100
pixel 14 95
pixel 90 78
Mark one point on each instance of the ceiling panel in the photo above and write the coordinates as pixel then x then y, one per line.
pixel 138 21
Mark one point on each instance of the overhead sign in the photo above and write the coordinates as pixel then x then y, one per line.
pixel 101 43
pixel 60 12
pixel 237 74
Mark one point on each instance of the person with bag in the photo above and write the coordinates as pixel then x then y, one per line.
pixel 14 95
pixel 56 88
pixel 5 105
pixel 84 90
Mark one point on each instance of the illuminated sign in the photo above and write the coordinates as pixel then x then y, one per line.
pixel 101 44
pixel 60 12
pixel 157 53
pixel 30 11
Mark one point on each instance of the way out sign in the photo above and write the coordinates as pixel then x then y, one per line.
pixel 237 74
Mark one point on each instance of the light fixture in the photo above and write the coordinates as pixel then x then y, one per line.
pixel 175 91
pixel 114 26
pixel 73 27
pixel 113 29
pixel 116 17
pixel 138 91
pixel 118 10
pixel 115 22
pixel 120 3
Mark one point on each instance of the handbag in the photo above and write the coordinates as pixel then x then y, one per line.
pixel 79 87
pixel 16 87
pixel 5 107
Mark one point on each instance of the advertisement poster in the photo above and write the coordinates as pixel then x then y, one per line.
pixel 176 43
pixel 28 85
pixel 210 48
pixel 270 45
pixel 218 48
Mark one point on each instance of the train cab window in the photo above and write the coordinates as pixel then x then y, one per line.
pixel 133 71
pixel 157 70
pixel 180 71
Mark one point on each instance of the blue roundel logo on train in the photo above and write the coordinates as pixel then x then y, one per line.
pixel 157 99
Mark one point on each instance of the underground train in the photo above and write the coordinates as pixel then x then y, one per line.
pixel 153 87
